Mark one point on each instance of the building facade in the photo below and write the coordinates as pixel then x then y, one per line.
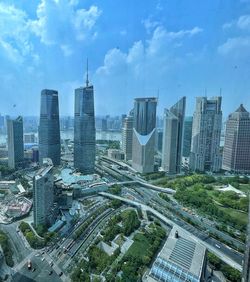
pixel 205 147
pixel 127 137
pixel 236 153
pixel 43 195
pixel 49 127
pixel 84 130
pixel 15 142
pixel 187 137
pixel 172 137
pixel 143 148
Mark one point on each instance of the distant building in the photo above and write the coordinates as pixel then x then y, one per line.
pixel 143 148
pixel 236 153
pixel 1 121
pixel 104 124
pixel 181 259
pixel 49 127
pixel 29 138
pixel 172 137
pixel 127 137
pixel 15 142
pixel 159 140
pixel 84 129
pixel 116 154
pixel 187 137
pixel 43 195
pixel 205 147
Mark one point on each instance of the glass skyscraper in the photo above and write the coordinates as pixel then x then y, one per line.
pixel 205 147
pixel 49 127
pixel 84 129
pixel 172 137
pixel 15 142
pixel 144 134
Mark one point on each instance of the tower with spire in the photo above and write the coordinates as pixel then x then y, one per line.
pixel 84 128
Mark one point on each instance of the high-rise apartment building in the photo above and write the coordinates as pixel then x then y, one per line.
pixel 127 137
pixel 172 137
pixel 43 195
pixel 49 127
pixel 84 129
pixel 143 148
pixel 187 137
pixel 205 147
pixel 236 153
pixel 15 142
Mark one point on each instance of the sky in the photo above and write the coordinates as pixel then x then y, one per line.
pixel 162 48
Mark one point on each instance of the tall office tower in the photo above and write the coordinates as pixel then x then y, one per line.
pixel 43 194
pixel 205 147
pixel 127 137
pixel 159 140
pixel 84 129
pixel 143 148
pixel 187 137
pixel 49 127
pixel 172 137
pixel 236 153
pixel 104 124
pixel 15 142
pixel 246 263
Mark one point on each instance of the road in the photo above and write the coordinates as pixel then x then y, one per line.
pixel 210 246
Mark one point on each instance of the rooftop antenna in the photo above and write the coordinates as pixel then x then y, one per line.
pixel 206 92
pixel 220 91
pixel 87 75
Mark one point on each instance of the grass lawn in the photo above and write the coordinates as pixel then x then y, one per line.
pixel 241 217
pixel 245 187
pixel 139 247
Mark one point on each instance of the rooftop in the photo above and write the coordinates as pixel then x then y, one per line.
pixel 180 259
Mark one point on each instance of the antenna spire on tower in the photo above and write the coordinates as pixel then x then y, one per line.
pixel 87 75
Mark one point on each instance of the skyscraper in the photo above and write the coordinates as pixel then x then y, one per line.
pixel 15 142
pixel 205 147
pixel 172 137
pixel 84 129
pixel 127 137
pixel 144 134
pixel 236 153
pixel 49 127
pixel 187 137
pixel 43 195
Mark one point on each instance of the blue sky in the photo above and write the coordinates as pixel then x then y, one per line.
pixel 135 49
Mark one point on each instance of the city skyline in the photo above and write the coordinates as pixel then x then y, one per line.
pixel 158 53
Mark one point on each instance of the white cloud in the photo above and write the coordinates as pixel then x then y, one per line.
pixel 14 33
pixel 61 22
pixel 236 46
pixel 244 22
pixel 131 73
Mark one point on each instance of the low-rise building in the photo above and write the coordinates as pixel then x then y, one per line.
pixel 181 259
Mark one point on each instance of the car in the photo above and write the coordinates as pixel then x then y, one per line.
pixel 50 272
pixel 51 264
pixel 34 269
pixel 43 259
pixel 60 274
pixel 217 246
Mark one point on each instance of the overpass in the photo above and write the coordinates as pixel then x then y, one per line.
pixel 145 185
pixel 169 222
